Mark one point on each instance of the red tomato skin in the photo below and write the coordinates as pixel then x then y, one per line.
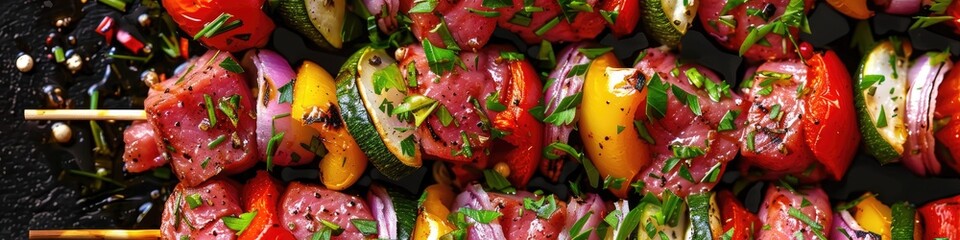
pixel 948 106
pixel 954 10
pixel 262 194
pixel 191 15
pixel 734 216
pixel 526 133
pixel 830 124
pixel 941 219
pixel 627 18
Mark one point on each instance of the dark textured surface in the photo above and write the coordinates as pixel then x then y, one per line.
pixel 34 191
pixel 34 194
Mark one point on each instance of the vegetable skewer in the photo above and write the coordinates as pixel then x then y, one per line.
pixel 85 114
pixel 96 234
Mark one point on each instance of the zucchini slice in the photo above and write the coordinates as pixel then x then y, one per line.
pixel 704 217
pixel 321 21
pixel 881 93
pixel 653 223
pixel 387 140
pixel 668 20
pixel 327 17
pixel 405 206
pixel 904 222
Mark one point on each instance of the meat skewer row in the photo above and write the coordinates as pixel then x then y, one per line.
pixel 787 212
pixel 266 208
pixel 677 124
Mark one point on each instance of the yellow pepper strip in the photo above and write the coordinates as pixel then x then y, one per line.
pixel 610 101
pixel 852 8
pixel 432 221
pixel 874 216
pixel 315 105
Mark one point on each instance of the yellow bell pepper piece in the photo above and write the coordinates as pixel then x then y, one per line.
pixel 610 101
pixel 874 216
pixel 315 105
pixel 432 221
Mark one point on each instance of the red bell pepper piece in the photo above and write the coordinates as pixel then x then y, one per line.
pixel 948 110
pixel 129 41
pixel 830 124
pixel 954 10
pixel 193 15
pixel 734 216
pixel 941 218
pixel 624 13
pixel 262 194
pixel 105 29
pixel 520 93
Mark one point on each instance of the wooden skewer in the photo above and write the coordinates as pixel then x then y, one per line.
pixel 84 114
pixel 95 234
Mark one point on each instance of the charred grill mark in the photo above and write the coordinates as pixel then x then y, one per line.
pixel 265 90
pixel 329 119
pixel 434 135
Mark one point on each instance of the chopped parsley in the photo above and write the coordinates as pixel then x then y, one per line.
pixel 441 60
pixel 544 207
pixel 926 21
pixel 686 152
pixel 493 102
pixel 194 200
pixel 592 53
pixel 231 65
pixel 496 182
pixel 566 110
pixel 578 70
pixel 229 106
pixel 882 119
pixel 365 226
pixel 387 78
pixel 408 146
pixel 211 112
pixel 642 131
pixel 286 93
pixel 511 56
pixel 775 111
pixel 727 122
pixel 656 97
pixel 547 26
pixel 465 149
pixel 497 3
pixel 423 6
pixel 612 182
pixel 240 223
pixel 489 14
pixel 712 175
pixel 216 141
pixel 480 216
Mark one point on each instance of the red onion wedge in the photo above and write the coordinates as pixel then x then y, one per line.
pixel 381 205
pixel 846 227
pixel 274 78
pixel 474 197
pixel 924 77
pixel 561 85
pixel 385 12
pixel 624 207
pixel 899 7
pixel 579 208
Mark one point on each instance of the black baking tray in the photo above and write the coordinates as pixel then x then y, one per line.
pixel 35 194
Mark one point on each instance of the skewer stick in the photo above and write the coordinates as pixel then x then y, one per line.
pixel 84 114
pixel 95 234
